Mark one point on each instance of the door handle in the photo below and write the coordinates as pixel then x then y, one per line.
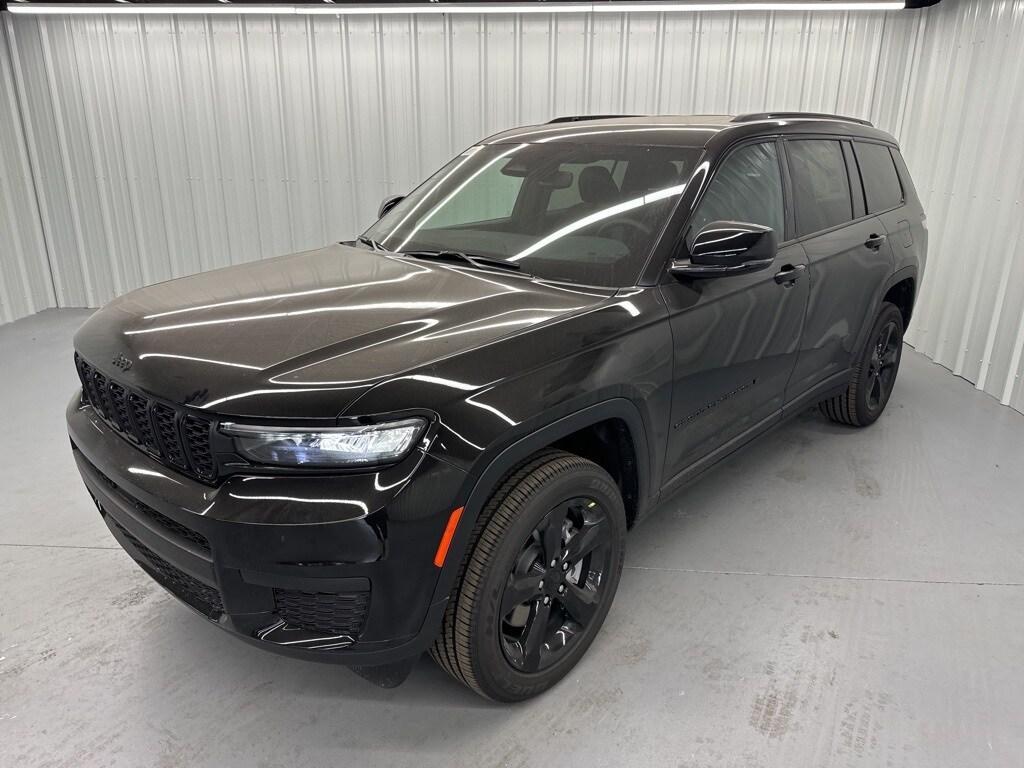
pixel 790 274
pixel 874 242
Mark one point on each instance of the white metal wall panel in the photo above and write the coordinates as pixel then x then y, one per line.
pixel 25 286
pixel 170 145
pixel 164 146
pixel 962 132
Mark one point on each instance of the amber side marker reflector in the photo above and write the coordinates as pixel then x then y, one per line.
pixel 446 537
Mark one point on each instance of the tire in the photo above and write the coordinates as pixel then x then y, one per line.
pixel 874 375
pixel 485 648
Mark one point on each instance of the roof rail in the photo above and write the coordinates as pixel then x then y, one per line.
pixel 577 118
pixel 752 116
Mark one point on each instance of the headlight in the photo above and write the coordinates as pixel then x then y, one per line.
pixel 326 447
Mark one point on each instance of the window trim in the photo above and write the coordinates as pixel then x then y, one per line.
pixel 787 195
pixel 860 201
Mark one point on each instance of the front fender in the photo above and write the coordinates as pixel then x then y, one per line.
pixel 499 403
pixel 495 464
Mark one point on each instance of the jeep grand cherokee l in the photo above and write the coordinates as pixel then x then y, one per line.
pixel 436 436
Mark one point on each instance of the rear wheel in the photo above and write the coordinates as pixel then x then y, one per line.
pixel 538 581
pixel 874 375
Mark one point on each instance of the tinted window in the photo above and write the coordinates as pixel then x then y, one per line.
pixel 747 187
pixel 820 184
pixel 484 202
pixel 570 195
pixel 585 213
pixel 881 183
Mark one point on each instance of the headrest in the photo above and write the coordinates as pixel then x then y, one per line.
pixel 597 185
pixel 648 174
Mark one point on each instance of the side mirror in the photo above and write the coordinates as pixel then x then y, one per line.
pixel 727 248
pixel 388 203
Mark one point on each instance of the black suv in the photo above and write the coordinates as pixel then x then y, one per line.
pixel 436 436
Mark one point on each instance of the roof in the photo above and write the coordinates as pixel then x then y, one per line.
pixel 682 130
pixel 685 130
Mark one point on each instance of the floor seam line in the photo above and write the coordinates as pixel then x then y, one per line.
pixel 60 546
pixel 710 572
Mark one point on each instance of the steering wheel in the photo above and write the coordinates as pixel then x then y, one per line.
pixel 624 221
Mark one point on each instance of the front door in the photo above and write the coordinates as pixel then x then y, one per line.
pixel 736 337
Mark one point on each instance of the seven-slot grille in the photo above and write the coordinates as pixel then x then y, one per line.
pixel 175 437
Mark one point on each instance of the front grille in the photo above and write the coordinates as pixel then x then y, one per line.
pixel 166 420
pixel 202 597
pixel 118 398
pixel 100 382
pixel 197 441
pixel 337 614
pixel 86 373
pixel 176 437
pixel 143 428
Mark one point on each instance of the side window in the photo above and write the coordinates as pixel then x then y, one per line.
pixel 881 182
pixel 492 197
pixel 746 187
pixel 821 188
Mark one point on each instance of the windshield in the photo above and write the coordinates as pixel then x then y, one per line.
pixel 582 213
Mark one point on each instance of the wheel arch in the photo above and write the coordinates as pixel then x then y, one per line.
pixel 494 466
pixel 893 287
pixel 902 292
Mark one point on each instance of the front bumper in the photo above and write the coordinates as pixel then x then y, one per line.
pixel 331 568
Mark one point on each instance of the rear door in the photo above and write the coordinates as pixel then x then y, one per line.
pixel 884 193
pixel 848 254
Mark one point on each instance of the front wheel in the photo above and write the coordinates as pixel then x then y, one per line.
pixel 539 580
pixel 874 374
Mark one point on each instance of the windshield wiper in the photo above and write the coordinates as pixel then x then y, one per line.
pixel 465 258
pixel 373 244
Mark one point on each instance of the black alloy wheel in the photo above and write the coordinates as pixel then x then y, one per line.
pixel 874 373
pixel 882 365
pixel 555 588
pixel 537 580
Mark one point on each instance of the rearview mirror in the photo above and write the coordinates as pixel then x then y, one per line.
pixel 556 180
pixel 388 203
pixel 727 248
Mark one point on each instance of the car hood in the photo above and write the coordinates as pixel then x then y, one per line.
pixel 307 334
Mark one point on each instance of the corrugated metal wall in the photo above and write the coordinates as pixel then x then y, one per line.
pixel 964 139
pixel 25 285
pixel 163 146
pixel 170 145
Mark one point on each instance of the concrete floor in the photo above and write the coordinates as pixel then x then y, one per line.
pixel 827 597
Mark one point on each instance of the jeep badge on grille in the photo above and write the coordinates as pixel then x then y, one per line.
pixel 122 362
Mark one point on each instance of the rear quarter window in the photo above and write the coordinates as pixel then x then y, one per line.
pixel 882 189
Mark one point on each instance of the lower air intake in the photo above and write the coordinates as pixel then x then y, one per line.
pixel 200 596
pixel 334 613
